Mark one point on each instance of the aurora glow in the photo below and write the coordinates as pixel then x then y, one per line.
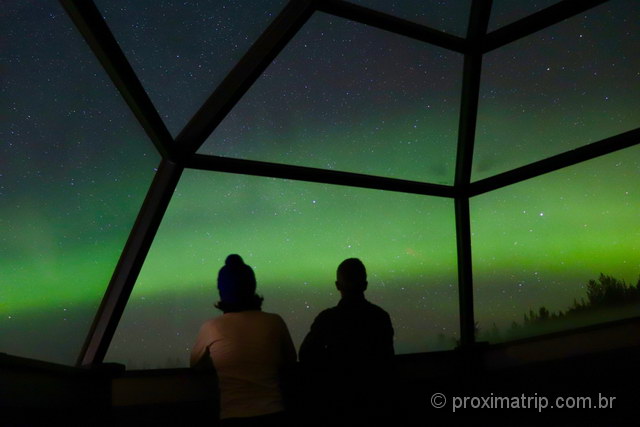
pixel 75 166
pixel 295 234
pixel 540 241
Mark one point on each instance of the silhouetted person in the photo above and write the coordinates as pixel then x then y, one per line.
pixel 348 353
pixel 249 349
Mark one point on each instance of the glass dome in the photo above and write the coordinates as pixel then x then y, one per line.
pixel 481 160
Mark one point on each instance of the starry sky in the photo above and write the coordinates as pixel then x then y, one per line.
pixel 75 166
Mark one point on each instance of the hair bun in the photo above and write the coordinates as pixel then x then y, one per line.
pixel 234 260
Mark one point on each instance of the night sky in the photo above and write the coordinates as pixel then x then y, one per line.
pixel 75 166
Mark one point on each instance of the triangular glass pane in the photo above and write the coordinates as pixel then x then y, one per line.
pixel 449 16
pixel 558 89
pixel 540 242
pixel 350 97
pixel 504 12
pixel 294 234
pixel 181 50
pixel 75 166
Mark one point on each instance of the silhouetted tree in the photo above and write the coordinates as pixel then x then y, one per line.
pixel 604 293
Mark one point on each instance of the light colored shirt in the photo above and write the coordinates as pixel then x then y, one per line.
pixel 248 350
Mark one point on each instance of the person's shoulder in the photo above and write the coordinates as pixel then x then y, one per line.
pixel 379 311
pixel 327 313
pixel 325 319
pixel 327 316
pixel 209 323
pixel 375 307
pixel 273 320
pixel 269 317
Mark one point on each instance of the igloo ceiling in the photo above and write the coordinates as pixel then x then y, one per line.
pixel 477 176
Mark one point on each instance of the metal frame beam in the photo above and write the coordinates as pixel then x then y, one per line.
pixel 468 116
pixel 478 22
pixel 393 24
pixel 554 163
pixel 536 22
pixel 88 19
pixel 302 173
pixel 465 272
pixel 180 153
pixel 243 75
pixel 472 69
pixel 130 262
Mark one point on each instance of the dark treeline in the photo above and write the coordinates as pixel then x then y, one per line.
pixel 607 299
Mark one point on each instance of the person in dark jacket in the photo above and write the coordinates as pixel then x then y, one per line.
pixel 348 352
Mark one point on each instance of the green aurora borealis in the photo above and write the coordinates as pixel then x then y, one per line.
pixel 75 166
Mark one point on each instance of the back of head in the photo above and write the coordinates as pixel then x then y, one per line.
pixel 237 286
pixel 352 276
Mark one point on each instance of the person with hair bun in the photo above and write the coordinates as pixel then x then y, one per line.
pixel 248 348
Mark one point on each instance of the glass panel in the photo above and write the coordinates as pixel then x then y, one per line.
pixel 560 88
pixel 504 12
pixel 182 50
pixel 349 97
pixel 450 16
pixel 74 169
pixel 537 246
pixel 294 234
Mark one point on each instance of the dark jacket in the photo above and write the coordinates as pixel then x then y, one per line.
pixel 347 358
pixel 355 334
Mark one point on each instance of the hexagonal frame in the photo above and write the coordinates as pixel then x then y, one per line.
pixel 180 153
